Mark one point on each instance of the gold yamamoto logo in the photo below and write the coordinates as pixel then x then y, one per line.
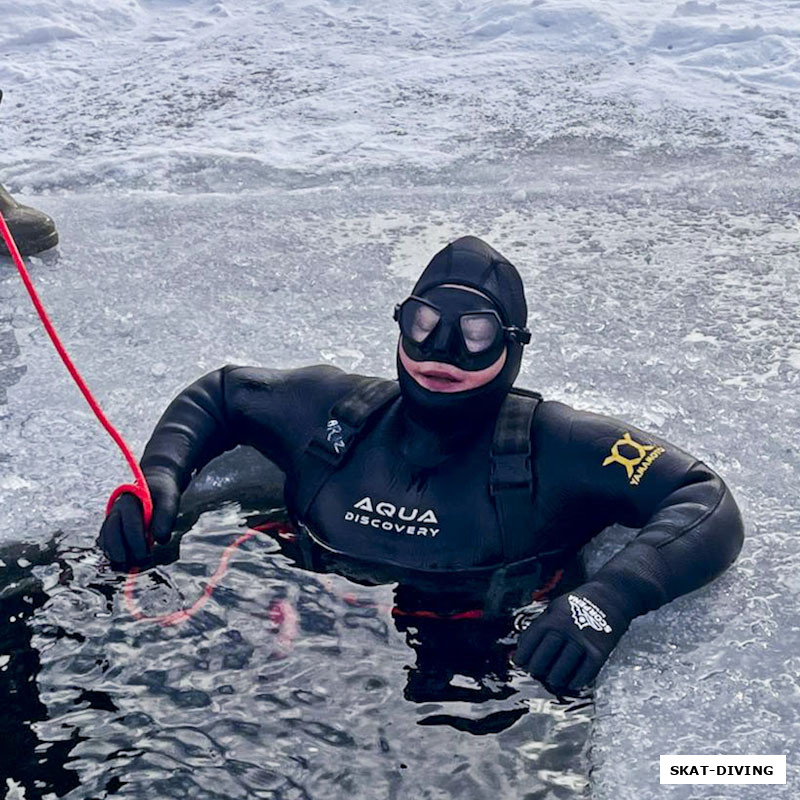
pixel 635 468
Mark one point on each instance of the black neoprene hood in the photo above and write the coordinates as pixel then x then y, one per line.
pixel 469 261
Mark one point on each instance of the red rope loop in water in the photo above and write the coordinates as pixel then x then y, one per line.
pixel 139 487
pixel 182 615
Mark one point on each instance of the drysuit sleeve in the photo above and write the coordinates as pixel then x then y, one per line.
pixel 271 410
pixel 691 527
pixel 595 471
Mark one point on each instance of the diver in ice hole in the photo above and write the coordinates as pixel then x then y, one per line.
pixel 450 478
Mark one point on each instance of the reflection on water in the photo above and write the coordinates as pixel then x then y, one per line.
pixel 22 756
pixel 286 684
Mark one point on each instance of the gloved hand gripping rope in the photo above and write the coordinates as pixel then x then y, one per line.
pixel 139 487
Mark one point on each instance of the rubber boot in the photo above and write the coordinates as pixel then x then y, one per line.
pixel 33 230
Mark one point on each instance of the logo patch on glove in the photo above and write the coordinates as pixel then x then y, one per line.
pixel 585 614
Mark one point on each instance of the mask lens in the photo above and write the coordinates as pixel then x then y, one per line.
pixel 417 320
pixel 480 331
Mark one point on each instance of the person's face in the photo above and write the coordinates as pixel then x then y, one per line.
pixel 437 376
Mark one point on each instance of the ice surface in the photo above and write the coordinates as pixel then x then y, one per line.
pixel 259 183
pixel 245 93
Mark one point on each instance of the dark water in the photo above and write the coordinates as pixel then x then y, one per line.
pixel 285 685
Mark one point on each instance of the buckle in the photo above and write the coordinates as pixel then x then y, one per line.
pixel 510 471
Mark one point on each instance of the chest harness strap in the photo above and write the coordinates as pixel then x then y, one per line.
pixel 329 447
pixel 511 475
pixel 511 488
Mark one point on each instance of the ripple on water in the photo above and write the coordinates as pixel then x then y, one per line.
pixel 240 701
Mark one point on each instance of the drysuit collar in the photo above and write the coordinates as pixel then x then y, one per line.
pixel 468 261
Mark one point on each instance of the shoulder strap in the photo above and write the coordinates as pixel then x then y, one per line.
pixel 525 393
pixel 329 446
pixel 511 472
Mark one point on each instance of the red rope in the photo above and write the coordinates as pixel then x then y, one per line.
pixel 551 584
pixel 139 487
pixel 473 613
pixel 142 491
pixel 177 617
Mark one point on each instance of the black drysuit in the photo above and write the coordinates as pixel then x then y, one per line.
pixel 413 494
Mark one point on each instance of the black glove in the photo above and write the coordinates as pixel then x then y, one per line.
pixel 566 646
pixel 122 536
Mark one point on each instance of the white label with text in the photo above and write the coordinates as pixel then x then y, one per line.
pixel 723 769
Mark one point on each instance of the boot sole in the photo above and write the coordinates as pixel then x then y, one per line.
pixel 31 247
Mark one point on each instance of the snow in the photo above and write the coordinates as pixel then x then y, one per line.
pixel 247 93
pixel 259 182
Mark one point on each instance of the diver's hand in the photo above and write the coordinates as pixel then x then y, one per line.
pixel 123 537
pixel 566 646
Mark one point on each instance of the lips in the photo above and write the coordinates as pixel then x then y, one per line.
pixel 439 380
pixel 440 375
